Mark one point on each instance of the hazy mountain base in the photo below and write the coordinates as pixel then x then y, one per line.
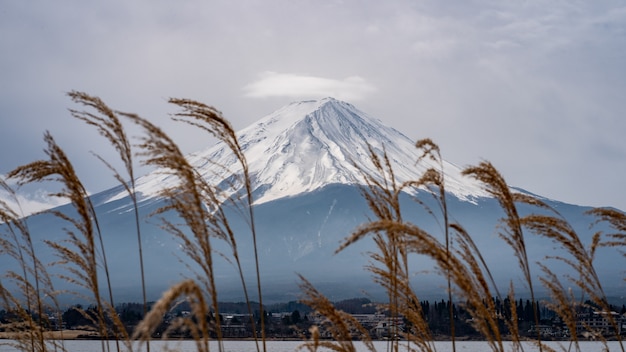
pixel 300 234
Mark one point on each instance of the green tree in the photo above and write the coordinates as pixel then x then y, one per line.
pixel 295 317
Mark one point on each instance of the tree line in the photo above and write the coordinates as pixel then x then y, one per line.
pixel 293 319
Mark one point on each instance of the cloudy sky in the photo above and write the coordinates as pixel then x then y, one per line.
pixel 537 87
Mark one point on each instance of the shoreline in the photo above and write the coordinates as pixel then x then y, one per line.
pixel 55 335
pixel 88 335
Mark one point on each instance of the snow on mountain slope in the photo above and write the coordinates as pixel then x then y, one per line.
pixel 307 145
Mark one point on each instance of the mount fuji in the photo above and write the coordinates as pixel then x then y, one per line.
pixel 308 145
pixel 305 163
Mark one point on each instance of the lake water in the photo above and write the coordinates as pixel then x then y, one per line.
pixel 292 346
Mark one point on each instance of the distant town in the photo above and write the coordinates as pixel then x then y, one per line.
pixel 293 320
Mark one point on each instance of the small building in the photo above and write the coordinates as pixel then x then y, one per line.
pixel 369 321
pixel 235 325
pixel 599 322
pixel 389 327
pixel 544 331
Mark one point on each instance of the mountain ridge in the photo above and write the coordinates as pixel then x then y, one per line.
pixel 305 145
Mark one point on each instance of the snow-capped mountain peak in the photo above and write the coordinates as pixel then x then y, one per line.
pixel 307 145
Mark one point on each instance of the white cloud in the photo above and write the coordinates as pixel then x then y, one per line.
pixel 27 202
pixel 273 84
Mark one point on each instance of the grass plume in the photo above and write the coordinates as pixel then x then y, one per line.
pixel 199 327
pixel 186 199
pixel 512 232
pixel 33 282
pixel 109 125
pixel 211 121
pixel 80 254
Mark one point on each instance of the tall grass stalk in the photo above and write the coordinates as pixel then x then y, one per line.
pixel 383 200
pixel 512 232
pixel 185 199
pixel 431 151
pixel 34 281
pixel 617 221
pixel 211 120
pixel 199 328
pixel 580 259
pixel 108 124
pixel 80 257
pixel 342 326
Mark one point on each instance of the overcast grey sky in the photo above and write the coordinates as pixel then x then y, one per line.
pixel 537 87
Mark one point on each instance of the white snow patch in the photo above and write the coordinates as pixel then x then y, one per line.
pixel 307 145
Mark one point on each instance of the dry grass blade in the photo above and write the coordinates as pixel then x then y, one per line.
pixel 496 186
pixel 478 288
pixel 82 253
pixel 342 326
pixel 406 303
pixel 32 284
pixel 382 195
pixel 211 120
pixel 563 302
pixel 465 274
pixel 402 238
pixel 512 321
pixel 193 294
pixel 471 249
pixel 108 125
pixel 391 276
pixel 429 149
pixel 472 287
pixel 561 232
pixel 616 220
pixel 437 178
pixel 20 247
pixel 106 121
pixel 28 333
pixel 581 260
pixel 186 199
pixel 513 234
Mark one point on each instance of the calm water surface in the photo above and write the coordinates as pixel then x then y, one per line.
pixel 291 346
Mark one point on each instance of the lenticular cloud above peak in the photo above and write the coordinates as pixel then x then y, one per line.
pixel 272 84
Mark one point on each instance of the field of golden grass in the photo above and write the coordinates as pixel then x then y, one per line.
pixel 199 205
